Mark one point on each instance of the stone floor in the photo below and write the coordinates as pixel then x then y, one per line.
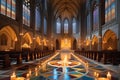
pixel 93 67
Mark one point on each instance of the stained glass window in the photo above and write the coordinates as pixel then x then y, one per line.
pixel 37 19
pixel 109 10
pixel 95 18
pixel 3 7
pixel 66 26
pixel 8 8
pixel 88 24
pixel 13 8
pixel 74 25
pixel 26 13
pixel 45 26
pixel 58 26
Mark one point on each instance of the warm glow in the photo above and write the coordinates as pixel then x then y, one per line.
pixel 13 76
pixel 109 75
pixel 65 43
pixel 102 78
pixel 25 45
pixel 109 48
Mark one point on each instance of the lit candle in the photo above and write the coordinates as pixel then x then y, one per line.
pixel 109 75
pixel 13 76
pixel 36 71
pixel 27 76
pixel 30 72
pixel 95 74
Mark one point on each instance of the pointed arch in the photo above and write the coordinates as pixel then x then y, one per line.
pixel 66 24
pixel 74 25
pixel 109 41
pixel 27 41
pixel 8 37
pixel 58 25
pixel 94 43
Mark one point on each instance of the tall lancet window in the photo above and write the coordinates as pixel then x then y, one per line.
pixel 8 8
pixel 26 12
pixel 66 26
pixel 37 19
pixel 58 26
pixel 45 25
pixel 109 10
pixel 74 26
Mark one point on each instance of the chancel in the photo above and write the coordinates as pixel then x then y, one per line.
pixel 59 40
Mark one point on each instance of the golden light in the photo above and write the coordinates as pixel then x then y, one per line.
pixel 104 78
pixel 109 75
pixel 25 45
pixel 13 76
pixel 27 76
pixel 65 43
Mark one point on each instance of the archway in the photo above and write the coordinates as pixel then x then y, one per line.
pixel 74 44
pixel 37 42
pixel 27 41
pixel 57 44
pixel 8 38
pixel 87 44
pixel 109 41
pixel 95 43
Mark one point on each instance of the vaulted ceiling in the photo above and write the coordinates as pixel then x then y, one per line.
pixel 66 8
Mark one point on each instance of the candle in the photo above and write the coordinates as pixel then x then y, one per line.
pixel 109 75
pixel 27 76
pixel 30 72
pixel 36 71
pixel 13 76
pixel 95 74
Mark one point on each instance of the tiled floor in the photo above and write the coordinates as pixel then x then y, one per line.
pixel 74 73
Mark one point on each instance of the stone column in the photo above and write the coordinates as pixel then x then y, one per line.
pixel 70 29
pixel 118 21
pixel 99 27
pixel 42 26
pixel 62 27
pixel 32 21
pixel 19 19
pixel 91 24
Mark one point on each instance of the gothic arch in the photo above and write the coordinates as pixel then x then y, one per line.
pixel 94 43
pixel 10 37
pixel 109 41
pixel 27 41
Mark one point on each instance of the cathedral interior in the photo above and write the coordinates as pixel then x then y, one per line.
pixel 59 39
